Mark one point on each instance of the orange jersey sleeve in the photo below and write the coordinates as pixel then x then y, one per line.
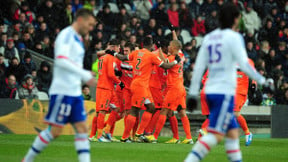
pixel 158 77
pixel 243 81
pixel 106 72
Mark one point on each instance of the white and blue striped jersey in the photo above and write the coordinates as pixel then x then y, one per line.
pixel 220 53
pixel 68 69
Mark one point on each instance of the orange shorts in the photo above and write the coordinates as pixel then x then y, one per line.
pixel 158 97
pixel 140 96
pixel 240 100
pixel 103 99
pixel 174 98
pixel 127 99
pixel 204 104
pixel 114 103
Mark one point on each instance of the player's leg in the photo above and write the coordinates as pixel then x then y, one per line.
pixel 186 125
pixel 152 124
pixel 174 127
pixel 41 142
pixel 146 118
pixel 130 122
pixel 232 145
pixel 93 127
pixel 205 112
pixel 221 113
pixel 57 107
pixel 82 144
pixel 240 101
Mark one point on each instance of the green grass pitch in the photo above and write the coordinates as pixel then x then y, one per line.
pixel 14 147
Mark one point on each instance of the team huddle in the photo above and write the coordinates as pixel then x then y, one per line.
pixel 149 81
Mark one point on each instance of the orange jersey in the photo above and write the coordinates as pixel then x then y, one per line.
pixel 107 77
pixel 175 74
pixel 158 76
pixel 143 62
pixel 243 81
pixel 127 73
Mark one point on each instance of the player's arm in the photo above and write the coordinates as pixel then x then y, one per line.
pixel 199 68
pixel 111 64
pixel 173 32
pixel 240 54
pixel 63 61
pixel 118 56
pixel 169 65
pixel 162 57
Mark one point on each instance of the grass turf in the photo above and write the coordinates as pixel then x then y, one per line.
pixel 14 147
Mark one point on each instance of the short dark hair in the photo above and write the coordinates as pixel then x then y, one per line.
pixel 1 55
pixel 14 58
pixel 84 13
pixel 129 45
pixel 85 86
pixel 227 15
pixel 147 42
pixel 114 42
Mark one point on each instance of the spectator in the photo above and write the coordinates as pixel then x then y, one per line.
pixel 3 67
pixel 47 48
pixel 122 17
pixel 249 37
pixel 106 17
pixel 4 38
pixel 90 5
pixel 158 37
pixel 34 77
pixel 284 15
pixel 27 41
pixel 50 14
pixel 198 27
pixel 268 5
pixel 9 51
pixel 134 24
pixel 25 10
pixel 22 20
pixel 285 64
pixel 17 69
pixel 173 15
pixel 43 31
pixel 270 60
pixel 28 63
pixel 195 8
pixel 143 8
pixel 185 18
pixel 38 48
pixel 264 49
pixel 86 92
pixel 211 22
pixel 67 16
pixel 44 76
pixel 159 15
pixel 252 54
pixel 269 33
pixel 251 19
pixel 207 7
pixel 268 99
pixel 8 87
pixel 76 5
pixel 36 23
pixel 28 90
pixel 284 99
pixel 151 27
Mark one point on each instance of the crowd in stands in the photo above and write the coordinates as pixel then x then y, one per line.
pixel 34 24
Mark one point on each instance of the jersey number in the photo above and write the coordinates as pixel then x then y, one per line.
pixel 138 63
pixel 100 64
pixel 65 110
pixel 214 53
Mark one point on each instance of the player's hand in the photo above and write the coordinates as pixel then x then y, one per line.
pixel 171 27
pixel 177 58
pixel 118 73
pixel 122 85
pixel 191 102
pixel 110 52
pixel 158 44
pixel 92 82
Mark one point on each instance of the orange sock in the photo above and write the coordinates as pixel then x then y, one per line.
pixel 205 125
pixel 135 127
pixel 130 122
pixel 186 126
pixel 151 126
pixel 112 129
pixel 111 121
pixel 243 124
pixel 160 123
pixel 146 117
pixel 174 126
pixel 93 127
pixel 100 124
